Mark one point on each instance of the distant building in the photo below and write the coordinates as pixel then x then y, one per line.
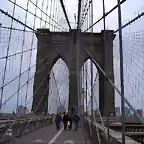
pixel 140 112
pixel 22 110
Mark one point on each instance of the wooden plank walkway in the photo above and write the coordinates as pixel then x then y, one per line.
pixel 49 135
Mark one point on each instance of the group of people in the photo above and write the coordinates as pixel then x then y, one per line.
pixel 68 120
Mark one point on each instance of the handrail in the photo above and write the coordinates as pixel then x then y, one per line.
pixel 114 135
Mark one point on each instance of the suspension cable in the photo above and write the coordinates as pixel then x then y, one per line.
pixel 115 87
pixel 36 107
pixel 8 48
pixel 25 82
pixel 23 85
pixel 61 28
pixel 97 104
pixel 93 115
pixel 25 70
pixel 106 14
pixel 28 121
pixel 79 12
pixel 32 42
pixel 64 10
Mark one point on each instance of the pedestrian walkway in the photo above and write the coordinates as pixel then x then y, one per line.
pixel 49 135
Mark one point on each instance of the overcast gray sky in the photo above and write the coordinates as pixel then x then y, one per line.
pixel 132 49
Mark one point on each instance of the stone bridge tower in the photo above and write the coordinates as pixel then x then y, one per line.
pixel 54 45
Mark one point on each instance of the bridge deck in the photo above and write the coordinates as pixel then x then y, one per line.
pixel 49 135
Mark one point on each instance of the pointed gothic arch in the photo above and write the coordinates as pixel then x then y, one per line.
pixel 58 86
pixel 86 71
pixel 64 43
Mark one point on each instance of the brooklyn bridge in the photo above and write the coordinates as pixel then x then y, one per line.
pixel 84 56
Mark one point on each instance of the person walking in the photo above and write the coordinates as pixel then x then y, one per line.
pixel 70 118
pixel 57 121
pixel 65 120
pixel 76 120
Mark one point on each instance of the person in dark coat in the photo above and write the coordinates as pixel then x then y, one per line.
pixel 65 120
pixel 76 120
pixel 71 114
pixel 57 121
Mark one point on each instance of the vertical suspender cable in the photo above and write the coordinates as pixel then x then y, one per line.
pixel 78 75
pixel 30 61
pixel 121 72
pixel 50 14
pixel 7 52
pixel 91 63
pixel 21 59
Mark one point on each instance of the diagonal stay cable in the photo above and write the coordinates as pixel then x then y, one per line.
pixel 25 70
pixel 29 120
pixel 37 106
pixel 34 14
pixel 15 19
pixel 16 29
pixel 34 92
pixel 35 110
pixel 47 15
pixel 56 84
pixel 7 51
pixel 130 22
pixel 22 55
pixel 27 123
pixel 21 73
pixel 32 42
pixel 17 53
pixel 38 87
pixel 106 14
pixel 115 87
pixel 23 85
pixel 96 78
pixel 93 115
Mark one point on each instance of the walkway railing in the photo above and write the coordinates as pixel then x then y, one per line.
pixel 11 129
pixel 110 137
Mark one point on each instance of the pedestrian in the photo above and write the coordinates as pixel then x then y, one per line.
pixel 76 120
pixel 57 121
pixel 65 120
pixel 70 118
